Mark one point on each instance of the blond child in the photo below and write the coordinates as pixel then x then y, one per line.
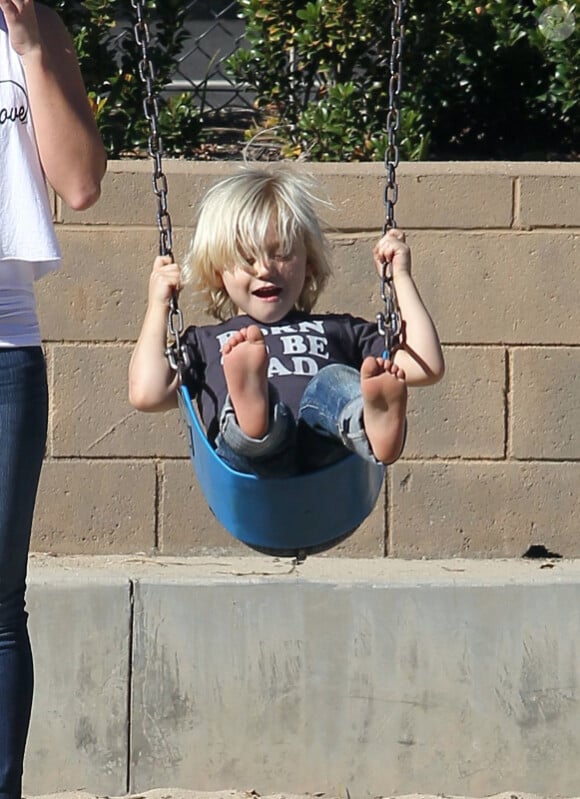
pixel 281 389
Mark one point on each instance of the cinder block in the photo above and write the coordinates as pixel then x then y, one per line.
pixel 80 635
pixel 92 416
pixel 101 288
pixel 545 403
pixel 455 201
pixel 187 526
pixel 95 508
pixel 463 415
pixel 127 198
pixel 368 540
pixel 354 286
pixel 480 288
pixel 492 288
pixel 477 510
pixel 550 201
pixel 427 198
pixel 127 195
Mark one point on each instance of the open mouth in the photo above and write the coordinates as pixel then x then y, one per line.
pixel 267 292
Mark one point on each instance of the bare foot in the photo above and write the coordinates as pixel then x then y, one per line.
pixel 384 391
pixel 246 367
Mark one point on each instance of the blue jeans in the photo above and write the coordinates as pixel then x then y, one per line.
pixel 23 423
pixel 329 426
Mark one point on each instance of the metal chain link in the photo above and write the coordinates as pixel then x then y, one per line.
pixel 389 320
pixel 175 352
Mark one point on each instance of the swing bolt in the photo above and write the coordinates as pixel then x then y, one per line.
pixel 177 357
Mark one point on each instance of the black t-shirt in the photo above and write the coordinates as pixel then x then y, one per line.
pixel 299 346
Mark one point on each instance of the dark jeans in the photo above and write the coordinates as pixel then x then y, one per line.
pixel 23 424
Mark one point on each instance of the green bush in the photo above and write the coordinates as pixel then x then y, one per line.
pixel 109 58
pixel 320 70
pixel 488 84
pixel 480 79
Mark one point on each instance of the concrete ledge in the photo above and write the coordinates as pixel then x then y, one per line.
pixel 380 677
pixel 80 625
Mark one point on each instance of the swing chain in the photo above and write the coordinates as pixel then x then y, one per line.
pixel 393 115
pixel 176 353
pixel 389 321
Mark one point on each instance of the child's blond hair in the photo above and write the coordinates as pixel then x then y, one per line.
pixel 232 227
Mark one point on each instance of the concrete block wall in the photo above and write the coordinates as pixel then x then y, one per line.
pixel 491 465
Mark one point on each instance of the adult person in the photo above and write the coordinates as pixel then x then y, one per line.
pixel 47 131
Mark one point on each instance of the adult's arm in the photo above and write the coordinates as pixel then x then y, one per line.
pixel 70 147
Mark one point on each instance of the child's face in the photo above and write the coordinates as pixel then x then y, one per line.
pixel 271 287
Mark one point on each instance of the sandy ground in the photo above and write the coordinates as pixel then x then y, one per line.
pixel 176 793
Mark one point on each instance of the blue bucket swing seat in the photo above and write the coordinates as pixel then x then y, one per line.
pixel 285 515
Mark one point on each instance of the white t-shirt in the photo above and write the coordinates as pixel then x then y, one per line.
pixel 18 319
pixel 28 245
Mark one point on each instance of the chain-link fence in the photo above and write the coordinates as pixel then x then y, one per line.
pixel 215 31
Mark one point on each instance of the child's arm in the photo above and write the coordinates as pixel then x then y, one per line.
pixel 420 353
pixel 153 383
